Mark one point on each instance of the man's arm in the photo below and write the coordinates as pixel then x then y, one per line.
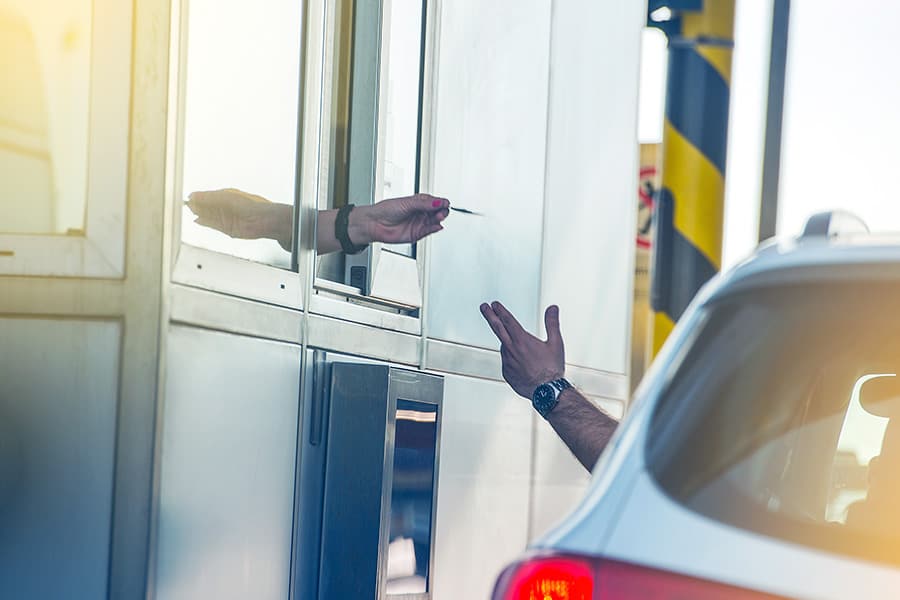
pixel 529 362
pixel 583 427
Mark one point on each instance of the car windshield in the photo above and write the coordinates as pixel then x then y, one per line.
pixel 783 418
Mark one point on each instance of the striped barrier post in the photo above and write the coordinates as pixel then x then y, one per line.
pixel 690 206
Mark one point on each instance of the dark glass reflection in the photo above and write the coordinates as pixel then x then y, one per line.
pixel 409 549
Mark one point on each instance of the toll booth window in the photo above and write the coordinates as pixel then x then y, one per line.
pixel 45 72
pixel 241 81
pixel 412 498
pixel 401 103
pixel 376 116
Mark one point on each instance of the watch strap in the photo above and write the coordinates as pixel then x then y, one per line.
pixel 560 384
pixel 341 222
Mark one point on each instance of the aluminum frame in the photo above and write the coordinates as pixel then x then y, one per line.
pixel 257 281
pixel 388 276
pixel 426 389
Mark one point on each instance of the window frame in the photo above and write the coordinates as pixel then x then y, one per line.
pixel 207 269
pixel 392 280
pixel 100 251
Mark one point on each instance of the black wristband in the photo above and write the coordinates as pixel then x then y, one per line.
pixel 341 221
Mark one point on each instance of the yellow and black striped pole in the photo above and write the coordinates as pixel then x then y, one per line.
pixel 690 206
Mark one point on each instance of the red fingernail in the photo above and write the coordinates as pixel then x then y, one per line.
pixel 436 203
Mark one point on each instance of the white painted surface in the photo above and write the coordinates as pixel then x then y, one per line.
pixel 483 486
pixel 589 228
pixel 396 279
pixel 203 268
pixel 59 384
pixel 567 238
pixel 488 140
pixel 227 472
pixel 559 480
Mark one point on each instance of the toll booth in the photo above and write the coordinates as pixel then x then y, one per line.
pixel 369 478
pixel 171 409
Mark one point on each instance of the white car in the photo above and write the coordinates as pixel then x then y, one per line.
pixel 761 458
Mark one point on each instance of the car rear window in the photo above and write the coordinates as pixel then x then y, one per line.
pixel 783 418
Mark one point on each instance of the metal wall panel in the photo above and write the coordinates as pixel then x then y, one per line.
pixel 488 145
pixel 58 391
pixel 228 436
pixel 592 152
pixel 559 481
pixel 483 486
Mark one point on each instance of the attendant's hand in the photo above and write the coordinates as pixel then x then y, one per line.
pixel 242 215
pixel 527 361
pixel 398 220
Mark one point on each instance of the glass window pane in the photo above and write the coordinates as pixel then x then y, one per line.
pixel 401 108
pixel 403 23
pixel 45 55
pixel 240 127
pixel 362 173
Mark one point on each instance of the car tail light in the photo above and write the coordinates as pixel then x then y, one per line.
pixel 548 578
pixel 565 577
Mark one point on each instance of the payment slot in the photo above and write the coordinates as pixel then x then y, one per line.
pixel 381 436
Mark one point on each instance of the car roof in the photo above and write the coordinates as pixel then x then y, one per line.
pixel 812 259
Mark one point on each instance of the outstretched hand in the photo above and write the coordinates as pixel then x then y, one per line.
pixel 527 360
pixel 398 220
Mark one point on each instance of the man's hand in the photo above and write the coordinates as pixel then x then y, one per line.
pixel 242 215
pixel 527 361
pixel 398 220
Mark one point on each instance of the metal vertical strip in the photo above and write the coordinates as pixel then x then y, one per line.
pixel 768 210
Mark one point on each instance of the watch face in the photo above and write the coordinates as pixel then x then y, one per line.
pixel 544 399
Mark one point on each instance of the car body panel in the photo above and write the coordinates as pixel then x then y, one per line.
pixel 626 516
pixel 654 530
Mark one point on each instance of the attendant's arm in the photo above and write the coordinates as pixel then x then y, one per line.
pixel 393 221
pixel 248 216
pixel 529 362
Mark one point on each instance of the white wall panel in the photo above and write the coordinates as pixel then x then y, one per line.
pixel 488 155
pixel 592 151
pixel 227 474
pixel 58 394
pixel 483 486
pixel 559 480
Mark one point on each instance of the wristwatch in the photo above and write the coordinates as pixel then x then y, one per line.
pixel 546 395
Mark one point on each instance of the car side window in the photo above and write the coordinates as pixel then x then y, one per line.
pixel 784 419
